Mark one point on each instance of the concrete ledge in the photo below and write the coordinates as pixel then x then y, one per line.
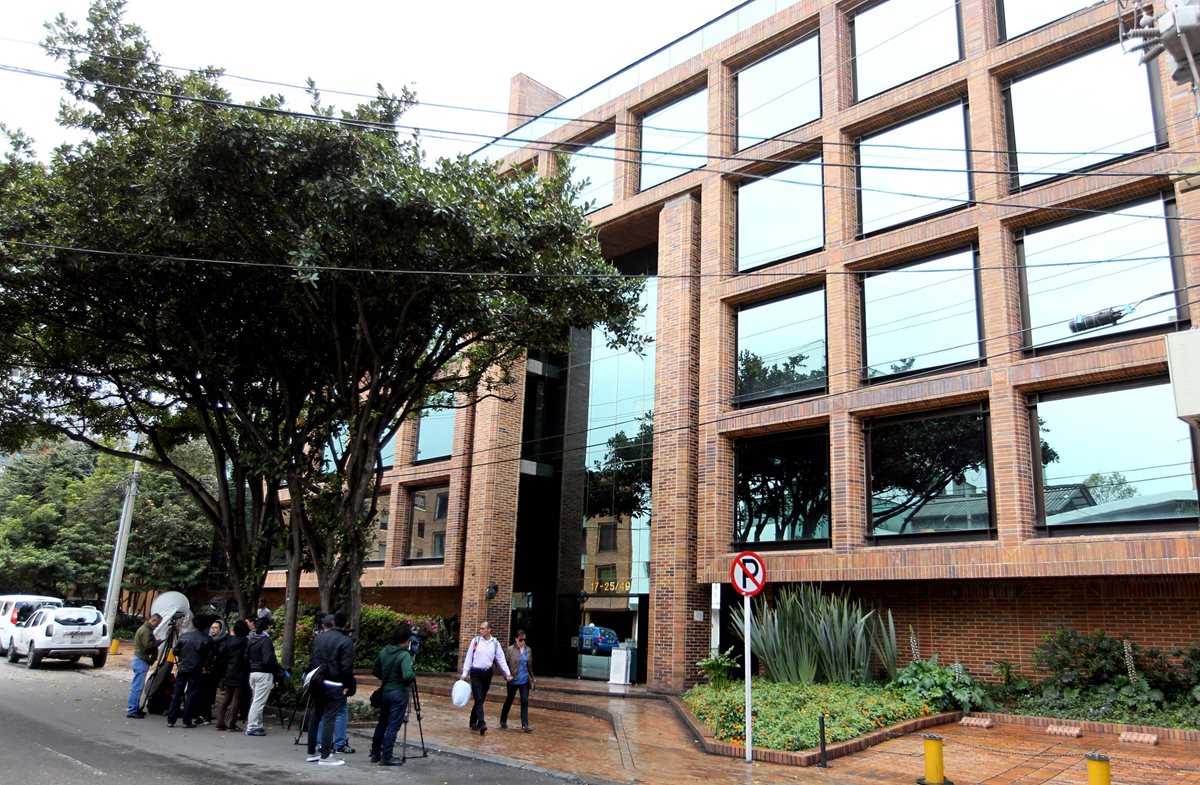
pixel 1129 737
pixel 1070 731
pixel 977 722
pixel 805 757
pixel 1174 734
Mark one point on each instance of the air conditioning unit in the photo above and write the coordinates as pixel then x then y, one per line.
pixel 1183 359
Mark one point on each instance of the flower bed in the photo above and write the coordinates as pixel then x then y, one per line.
pixel 786 715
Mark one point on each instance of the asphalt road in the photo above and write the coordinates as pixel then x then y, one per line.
pixel 65 724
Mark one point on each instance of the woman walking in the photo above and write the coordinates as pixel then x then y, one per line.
pixel 394 669
pixel 520 663
pixel 237 676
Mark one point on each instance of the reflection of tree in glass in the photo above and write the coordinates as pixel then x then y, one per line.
pixel 619 485
pixel 1109 487
pixel 757 379
pixel 784 486
pixel 915 461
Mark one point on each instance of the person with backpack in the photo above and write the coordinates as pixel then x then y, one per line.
pixel 394 669
pixel 483 654
pixel 264 668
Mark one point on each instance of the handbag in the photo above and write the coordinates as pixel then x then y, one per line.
pixel 377 698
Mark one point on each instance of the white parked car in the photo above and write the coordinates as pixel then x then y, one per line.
pixel 16 608
pixel 60 633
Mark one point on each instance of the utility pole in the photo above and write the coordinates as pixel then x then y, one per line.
pixel 117 572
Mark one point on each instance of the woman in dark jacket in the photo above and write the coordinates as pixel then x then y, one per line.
pixel 214 672
pixel 237 676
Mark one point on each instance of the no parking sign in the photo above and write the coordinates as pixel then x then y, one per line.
pixel 748 574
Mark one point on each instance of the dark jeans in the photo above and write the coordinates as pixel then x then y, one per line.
pixel 186 683
pixel 206 695
pixel 513 689
pixel 481 682
pixel 233 695
pixel 393 712
pixel 327 702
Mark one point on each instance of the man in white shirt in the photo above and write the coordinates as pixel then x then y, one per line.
pixel 483 654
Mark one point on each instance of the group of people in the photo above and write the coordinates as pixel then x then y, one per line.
pixel 239 664
pixel 242 662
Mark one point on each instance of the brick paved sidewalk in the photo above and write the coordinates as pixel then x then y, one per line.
pixel 646 743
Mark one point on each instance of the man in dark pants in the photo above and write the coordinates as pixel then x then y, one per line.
pixel 483 653
pixel 333 653
pixel 191 655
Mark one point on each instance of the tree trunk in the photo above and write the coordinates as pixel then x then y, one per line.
pixel 291 600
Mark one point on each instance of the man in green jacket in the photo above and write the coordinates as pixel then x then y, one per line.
pixel 394 669
pixel 145 647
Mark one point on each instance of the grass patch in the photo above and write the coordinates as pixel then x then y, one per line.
pixel 785 715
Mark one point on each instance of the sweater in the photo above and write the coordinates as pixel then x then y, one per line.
pixel 394 662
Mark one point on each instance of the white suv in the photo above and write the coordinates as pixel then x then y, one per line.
pixel 16 608
pixel 61 633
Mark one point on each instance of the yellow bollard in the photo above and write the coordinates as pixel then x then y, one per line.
pixel 115 648
pixel 1099 772
pixel 935 772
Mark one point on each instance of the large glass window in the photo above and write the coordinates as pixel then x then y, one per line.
pixel 1091 265
pixel 922 315
pixel 378 550
pixel 914 170
pixel 781 347
pixel 780 216
pixel 929 475
pixel 899 40
pixel 1078 114
pixel 779 93
pixel 435 433
pixel 782 487
pixel 427 532
pixel 595 164
pixel 675 139
pixel 1114 456
pixel 1018 17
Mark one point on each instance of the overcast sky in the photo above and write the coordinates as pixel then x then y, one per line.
pixel 460 53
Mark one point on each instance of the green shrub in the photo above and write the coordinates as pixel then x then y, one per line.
pixel 942 687
pixel 786 715
pixel 718 668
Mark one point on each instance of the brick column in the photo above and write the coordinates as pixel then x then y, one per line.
pixel 1012 470
pixel 676 640
pixel 847 483
pixel 492 518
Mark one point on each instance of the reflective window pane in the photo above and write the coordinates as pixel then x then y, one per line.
pixel 595 164
pixel 929 475
pixel 377 550
pixel 1094 264
pixel 780 216
pixel 674 139
pixel 435 434
pixel 1116 456
pixel 922 315
pixel 781 347
pixel 1079 114
pixel 1021 16
pixel 915 169
pixel 779 93
pixel 782 487
pixel 427 532
pixel 900 40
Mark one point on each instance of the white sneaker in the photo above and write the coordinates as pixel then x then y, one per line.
pixel 313 758
pixel 331 761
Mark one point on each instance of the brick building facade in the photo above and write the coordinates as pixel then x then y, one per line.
pixel 993 477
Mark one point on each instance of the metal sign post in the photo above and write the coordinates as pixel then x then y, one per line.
pixel 748 575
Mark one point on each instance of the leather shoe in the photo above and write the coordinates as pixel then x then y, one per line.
pixel 482 729
pixel 390 762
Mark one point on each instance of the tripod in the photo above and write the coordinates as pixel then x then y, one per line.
pixel 303 718
pixel 415 700
pixel 164 665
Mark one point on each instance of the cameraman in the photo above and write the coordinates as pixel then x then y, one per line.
pixel 394 669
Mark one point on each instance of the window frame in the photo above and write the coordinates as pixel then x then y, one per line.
pixel 606 532
pixel 1145 526
pixel 381 528
pixel 411 492
pixel 739 401
pixel 954 536
pixel 737 116
pixel 969 201
pixel 1002 32
pixel 853 41
pixel 1174 249
pixel 417 439
pixel 814 544
pixel 979 361
pixel 641 152
pixel 740 182
pixel 1157 110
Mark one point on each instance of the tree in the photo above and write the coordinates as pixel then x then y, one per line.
pixel 785 487
pixel 352 284
pixel 758 379
pixel 1109 487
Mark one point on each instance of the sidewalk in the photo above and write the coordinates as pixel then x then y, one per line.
pixel 634 736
